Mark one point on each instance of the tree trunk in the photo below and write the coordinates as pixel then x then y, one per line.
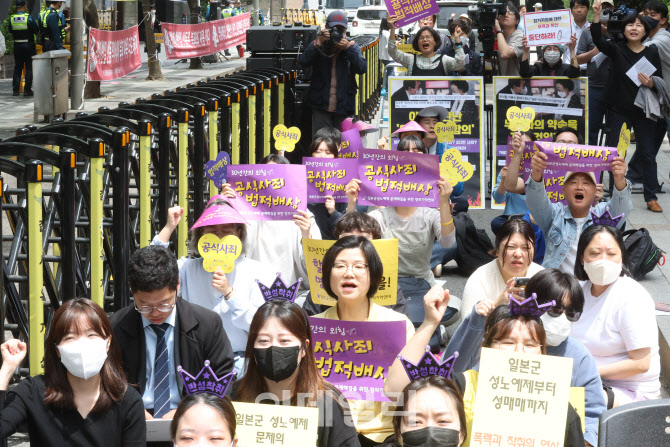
pixel 92 88
pixel 194 7
pixel 155 72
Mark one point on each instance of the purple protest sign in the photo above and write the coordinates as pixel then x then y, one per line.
pixel 329 177
pixel 216 169
pixel 393 178
pixel 269 192
pixel 410 11
pixel 351 144
pixel 577 157
pixel 355 356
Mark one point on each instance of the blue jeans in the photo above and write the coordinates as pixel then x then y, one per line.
pixel 596 113
pixel 442 255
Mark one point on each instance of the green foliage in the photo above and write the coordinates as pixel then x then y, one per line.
pixel 4 27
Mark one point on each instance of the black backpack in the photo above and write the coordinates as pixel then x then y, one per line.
pixel 473 247
pixel 643 254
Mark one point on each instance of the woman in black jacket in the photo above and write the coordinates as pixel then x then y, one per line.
pixel 551 63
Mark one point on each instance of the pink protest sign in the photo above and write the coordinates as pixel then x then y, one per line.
pixel 392 178
pixel 113 54
pixel 355 355
pixel 231 31
pixel 329 177
pixel 184 41
pixel 351 144
pixel 410 11
pixel 268 192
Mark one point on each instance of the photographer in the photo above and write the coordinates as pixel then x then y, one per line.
pixel 509 39
pixel 335 61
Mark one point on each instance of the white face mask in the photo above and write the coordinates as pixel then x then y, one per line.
pixel 552 57
pixel 557 329
pixel 603 272
pixel 562 94
pixel 465 41
pixel 84 358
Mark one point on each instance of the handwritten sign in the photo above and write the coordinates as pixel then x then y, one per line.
pixel 386 295
pixel 329 177
pixel 577 157
pixel 624 141
pixel 285 139
pixel 259 424
pixel 351 144
pixel 520 119
pixel 445 131
pixel 355 355
pixel 454 168
pixel 393 178
pixel 521 396
pixel 217 252
pixel 410 11
pixel 216 170
pixel 548 27
pixel 269 192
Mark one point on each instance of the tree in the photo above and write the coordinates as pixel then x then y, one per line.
pixel 194 7
pixel 155 72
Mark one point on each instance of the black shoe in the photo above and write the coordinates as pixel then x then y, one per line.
pixel 16 93
pixel 28 93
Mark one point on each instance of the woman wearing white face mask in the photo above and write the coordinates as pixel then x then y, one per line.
pixel 551 64
pixel 83 398
pixel 618 324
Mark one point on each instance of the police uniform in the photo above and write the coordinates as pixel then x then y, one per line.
pixel 52 25
pixel 23 29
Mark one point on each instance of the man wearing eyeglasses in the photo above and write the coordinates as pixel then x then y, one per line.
pixel 509 39
pixel 160 332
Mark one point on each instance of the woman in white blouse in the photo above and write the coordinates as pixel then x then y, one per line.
pixel 618 325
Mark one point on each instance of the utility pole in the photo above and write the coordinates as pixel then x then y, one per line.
pixel 77 50
pixel 254 13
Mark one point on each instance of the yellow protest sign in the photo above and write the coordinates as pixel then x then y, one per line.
pixel 521 395
pixel 578 402
pixel 445 131
pixel 520 119
pixel 407 48
pixel 275 424
pixel 285 139
pixel 454 168
pixel 624 141
pixel 386 295
pixel 217 252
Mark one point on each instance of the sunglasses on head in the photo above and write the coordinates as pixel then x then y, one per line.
pixel 571 313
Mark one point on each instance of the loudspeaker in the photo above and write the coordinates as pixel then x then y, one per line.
pixel 273 39
pixel 283 61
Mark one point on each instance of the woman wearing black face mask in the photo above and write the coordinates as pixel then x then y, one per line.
pixel 433 414
pixel 281 369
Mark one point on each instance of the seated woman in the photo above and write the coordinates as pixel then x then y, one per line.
pixel 618 325
pixel 551 63
pixel 514 247
pixel 281 369
pixel 204 420
pixel 234 296
pixel 82 399
pixel 504 329
pixel 432 414
pixel 352 271
pixel 411 128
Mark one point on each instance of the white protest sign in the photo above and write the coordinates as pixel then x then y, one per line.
pixel 275 424
pixel 548 27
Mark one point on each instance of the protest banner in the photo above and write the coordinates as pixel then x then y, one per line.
pixel 548 27
pixel 112 54
pixel 269 192
pixel 329 177
pixel 392 178
pixel 461 96
pixel 557 102
pixel 355 356
pixel 201 39
pixel 259 424
pixel 351 144
pixel 522 399
pixel 216 170
pixel 387 293
pixel 410 11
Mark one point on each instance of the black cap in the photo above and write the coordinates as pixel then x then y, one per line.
pixel 20 3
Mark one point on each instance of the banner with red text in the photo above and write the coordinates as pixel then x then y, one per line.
pixel 112 54
pixel 185 41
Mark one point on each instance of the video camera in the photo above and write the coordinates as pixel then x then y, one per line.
pixel 614 19
pixel 485 13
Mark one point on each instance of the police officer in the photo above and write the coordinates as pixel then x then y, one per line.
pixel 52 26
pixel 23 29
pixel 225 13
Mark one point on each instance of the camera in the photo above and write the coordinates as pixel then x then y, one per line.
pixel 614 19
pixel 335 37
pixel 485 13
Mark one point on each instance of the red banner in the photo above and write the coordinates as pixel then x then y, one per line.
pixel 112 54
pixel 185 41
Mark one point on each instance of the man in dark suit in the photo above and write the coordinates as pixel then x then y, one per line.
pixel 160 332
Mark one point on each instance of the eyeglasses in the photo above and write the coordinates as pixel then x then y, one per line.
pixel 571 313
pixel 358 269
pixel 508 13
pixel 429 37
pixel 164 308
pixel 528 346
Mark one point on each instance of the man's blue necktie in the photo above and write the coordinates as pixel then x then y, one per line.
pixel 161 372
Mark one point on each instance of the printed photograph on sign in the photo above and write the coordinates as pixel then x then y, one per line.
pixel 458 99
pixel 557 102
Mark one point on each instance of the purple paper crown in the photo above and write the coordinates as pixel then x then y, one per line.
pixel 528 307
pixel 206 381
pixel 428 366
pixel 606 218
pixel 279 290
